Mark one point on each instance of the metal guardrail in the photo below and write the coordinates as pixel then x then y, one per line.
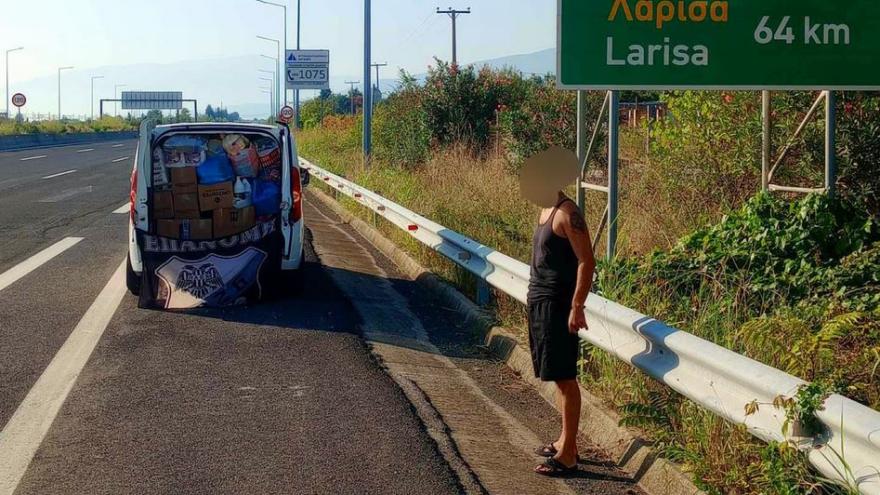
pixel 714 377
pixel 32 141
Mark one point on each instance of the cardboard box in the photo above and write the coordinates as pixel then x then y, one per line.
pixel 185 229
pixel 184 180
pixel 215 197
pixel 229 222
pixel 163 205
pixel 186 205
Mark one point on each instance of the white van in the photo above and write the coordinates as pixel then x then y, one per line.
pixel 218 206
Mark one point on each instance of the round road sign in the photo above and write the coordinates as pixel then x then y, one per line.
pixel 286 113
pixel 18 100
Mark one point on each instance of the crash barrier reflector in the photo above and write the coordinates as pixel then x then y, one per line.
pixel 714 377
pixel 30 141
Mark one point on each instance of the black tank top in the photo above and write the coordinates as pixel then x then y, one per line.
pixel 554 264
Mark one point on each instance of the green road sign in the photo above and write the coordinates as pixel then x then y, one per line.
pixel 737 44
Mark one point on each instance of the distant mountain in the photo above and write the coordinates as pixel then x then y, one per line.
pixel 538 63
pixel 233 82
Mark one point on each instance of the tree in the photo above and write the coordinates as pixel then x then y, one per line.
pixel 209 112
pixel 154 115
pixel 326 94
pixel 185 116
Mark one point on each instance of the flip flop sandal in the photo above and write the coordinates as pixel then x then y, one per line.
pixel 546 451
pixel 550 451
pixel 553 468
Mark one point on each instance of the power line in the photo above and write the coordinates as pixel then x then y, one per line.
pixel 453 14
pixel 418 28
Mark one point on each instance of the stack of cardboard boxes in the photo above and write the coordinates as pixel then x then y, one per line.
pixel 187 210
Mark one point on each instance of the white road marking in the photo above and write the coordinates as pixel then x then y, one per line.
pixel 123 209
pixel 117 145
pixel 86 150
pixel 23 434
pixel 18 271
pixel 59 175
pixel 120 159
pixel 33 158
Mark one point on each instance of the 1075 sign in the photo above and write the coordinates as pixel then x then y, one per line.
pixel 307 74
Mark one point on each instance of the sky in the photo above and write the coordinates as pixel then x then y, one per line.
pixel 407 34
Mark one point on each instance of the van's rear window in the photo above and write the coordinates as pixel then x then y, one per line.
pixel 215 184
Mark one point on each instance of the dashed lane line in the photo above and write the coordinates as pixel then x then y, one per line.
pixel 123 209
pixel 33 158
pixel 18 271
pixel 23 434
pixel 59 174
pixel 120 145
pixel 120 159
pixel 85 150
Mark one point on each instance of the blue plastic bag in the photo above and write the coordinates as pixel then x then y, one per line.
pixel 214 170
pixel 266 198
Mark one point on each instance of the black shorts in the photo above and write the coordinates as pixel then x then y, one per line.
pixel 554 349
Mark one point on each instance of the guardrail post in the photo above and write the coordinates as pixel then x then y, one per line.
pixel 484 293
pixel 613 144
pixel 830 143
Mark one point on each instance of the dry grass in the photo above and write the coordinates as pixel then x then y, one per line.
pixel 479 198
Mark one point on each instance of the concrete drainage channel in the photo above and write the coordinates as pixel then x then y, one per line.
pixel 419 368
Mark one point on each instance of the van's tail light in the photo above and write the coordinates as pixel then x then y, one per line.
pixel 296 195
pixel 132 196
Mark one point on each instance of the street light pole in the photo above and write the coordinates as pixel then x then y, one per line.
pixel 271 83
pixel 285 40
pixel 277 62
pixel 59 88
pixel 116 97
pixel 368 87
pixel 271 103
pixel 296 92
pixel 93 95
pixel 7 76
pixel 275 76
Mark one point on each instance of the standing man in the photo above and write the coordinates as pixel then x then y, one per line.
pixel 562 269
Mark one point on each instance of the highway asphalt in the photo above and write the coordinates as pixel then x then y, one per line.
pixel 281 397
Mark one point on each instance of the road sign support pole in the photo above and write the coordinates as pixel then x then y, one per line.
pixel 767 126
pixel 613 144
pixel 581 146
pixel 830 143
pixel 368 87
pixel 296 120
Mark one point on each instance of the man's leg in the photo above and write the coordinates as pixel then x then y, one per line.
pixel 569 402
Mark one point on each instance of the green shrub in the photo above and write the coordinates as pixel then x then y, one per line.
pixel 400 130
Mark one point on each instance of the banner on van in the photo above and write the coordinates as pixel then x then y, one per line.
pixel 227 272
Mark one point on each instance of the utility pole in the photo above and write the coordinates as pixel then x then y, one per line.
pixel 7 77
pixel 93 94
pixel 453 14
pixel 368 87
pixel 351 93
pixel 377 72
